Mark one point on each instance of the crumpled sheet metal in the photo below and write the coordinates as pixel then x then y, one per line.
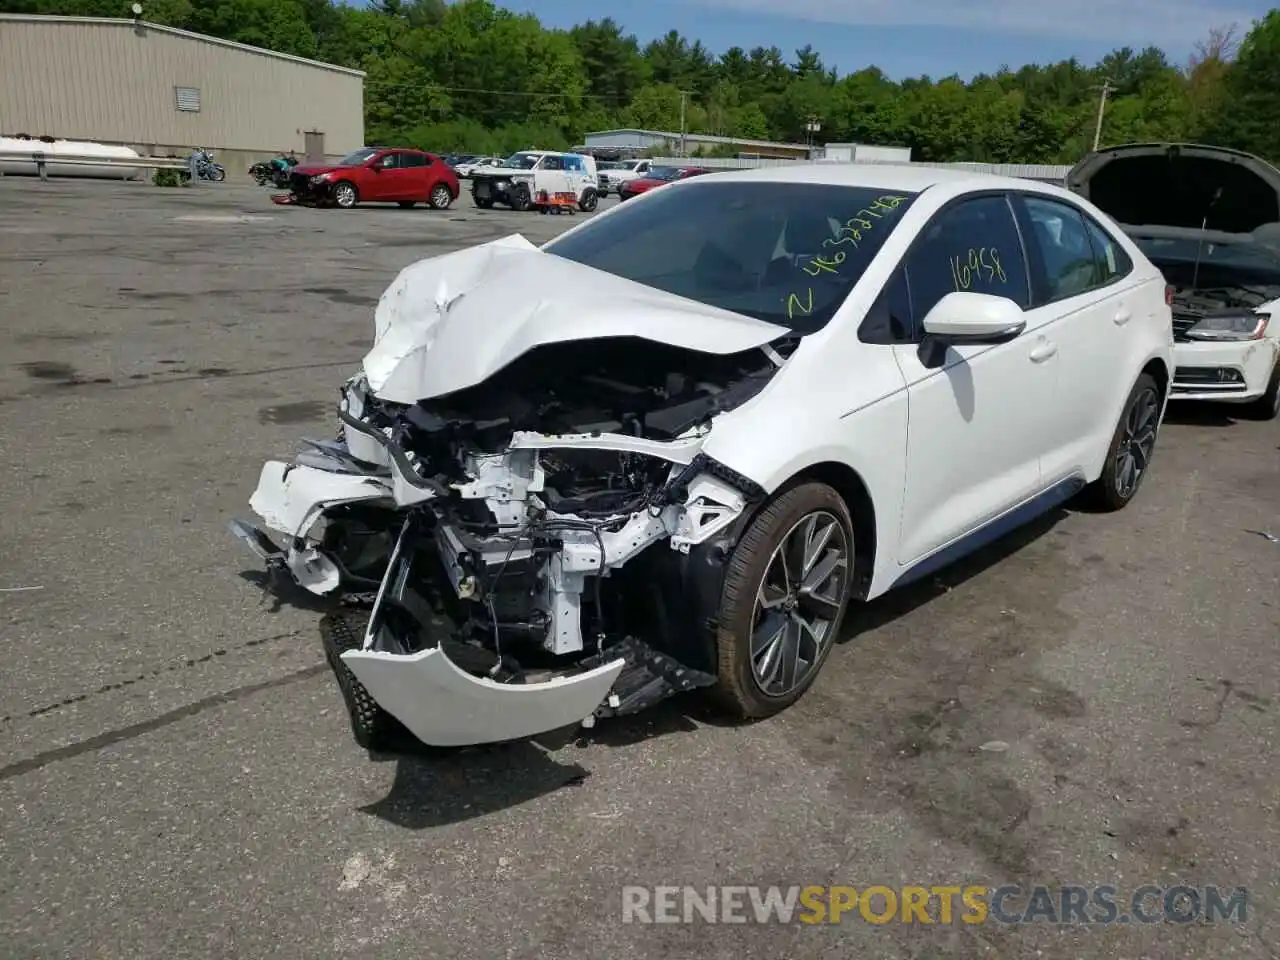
pixel 452 322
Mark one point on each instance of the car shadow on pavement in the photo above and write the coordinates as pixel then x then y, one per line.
pixel 434 787
pixel 1192 414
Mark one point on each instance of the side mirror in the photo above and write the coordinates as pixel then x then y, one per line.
pixel 973 318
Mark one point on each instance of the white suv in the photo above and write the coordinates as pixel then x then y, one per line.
pixel 667 449
pixel 524 175
pixel 623 172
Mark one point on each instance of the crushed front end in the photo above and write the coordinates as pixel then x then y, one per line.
pixel 539 550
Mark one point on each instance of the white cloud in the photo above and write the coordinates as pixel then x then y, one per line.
pixel 1172 23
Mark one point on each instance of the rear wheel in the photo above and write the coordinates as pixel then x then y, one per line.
pixel 345 195
pixel 484 203
pixel 783 600
pixel 441 197
pixel 1267 406
pixel 1131 447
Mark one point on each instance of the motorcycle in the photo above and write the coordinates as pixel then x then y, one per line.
pixel 275 171
pixel 200 165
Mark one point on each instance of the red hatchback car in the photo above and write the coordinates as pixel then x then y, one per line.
pixel 376 175
pixel 657 177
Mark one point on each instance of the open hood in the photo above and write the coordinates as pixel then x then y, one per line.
pixel 1175 185
pixel 451 322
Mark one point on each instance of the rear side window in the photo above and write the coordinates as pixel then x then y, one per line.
pixel 1058 230
pixel 973 246
pixel 1113 262
pixel 1071 252
pixel 412 160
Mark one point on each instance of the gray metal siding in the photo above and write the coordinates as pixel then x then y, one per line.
pixel 634 140
pixel 118 81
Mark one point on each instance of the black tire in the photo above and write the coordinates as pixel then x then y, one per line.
pixel 739 687
pixel 345 194
pixel 1267 406
pixel 371 726
pixel 441 197
pixel 484 203
pixel 407 204
pixel 218 174
pixel 590 200
pixel 521 199
pixel 1114 489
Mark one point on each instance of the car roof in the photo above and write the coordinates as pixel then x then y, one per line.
pixel 889 176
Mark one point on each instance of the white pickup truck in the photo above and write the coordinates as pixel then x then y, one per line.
pixel 614 175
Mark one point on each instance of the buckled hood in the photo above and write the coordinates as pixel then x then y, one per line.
pixel 1179 185
pixel 452 322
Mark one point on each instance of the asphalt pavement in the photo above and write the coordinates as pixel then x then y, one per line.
pixel 177 778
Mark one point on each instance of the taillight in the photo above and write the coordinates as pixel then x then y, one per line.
pixel 1168 295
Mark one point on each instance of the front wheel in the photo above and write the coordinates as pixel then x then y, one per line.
pixel 783 600
pixel 217 174
pixel 371 726
pixel 441 197
pixel 590 199
pixel 521 199
pixel 1132 445
pixel 345 195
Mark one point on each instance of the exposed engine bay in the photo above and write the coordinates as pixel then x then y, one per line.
pixel 504 537
pixel 1209 287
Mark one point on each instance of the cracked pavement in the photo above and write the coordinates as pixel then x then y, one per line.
pixel 177 777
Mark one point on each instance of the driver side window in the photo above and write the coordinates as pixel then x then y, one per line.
pixel 972 246
pixel 389 162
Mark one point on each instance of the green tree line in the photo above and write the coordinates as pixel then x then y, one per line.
pixel 473 76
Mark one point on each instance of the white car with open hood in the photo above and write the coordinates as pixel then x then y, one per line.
pixel 1209 218
pixel 665 450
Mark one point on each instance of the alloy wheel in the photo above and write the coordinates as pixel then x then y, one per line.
pixel 799 598
pixel 345 195
pixel 441 197
pixel 1134 453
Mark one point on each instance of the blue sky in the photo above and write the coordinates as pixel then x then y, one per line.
pixel 914 37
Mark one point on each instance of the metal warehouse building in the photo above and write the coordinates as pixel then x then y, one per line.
pixel 636 140
pixel 166 91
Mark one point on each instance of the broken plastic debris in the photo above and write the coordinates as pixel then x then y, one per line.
pixel 1262 533
pixel 18 589
pixel 994 746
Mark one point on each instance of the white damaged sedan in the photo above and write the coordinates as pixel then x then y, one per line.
pixel 665 450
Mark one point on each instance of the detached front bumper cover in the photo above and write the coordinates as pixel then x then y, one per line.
pixel 444 706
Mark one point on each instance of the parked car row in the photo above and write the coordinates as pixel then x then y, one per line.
pixel 702 425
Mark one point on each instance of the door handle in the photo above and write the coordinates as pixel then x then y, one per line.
pixel 1043 351
pixel 1123 316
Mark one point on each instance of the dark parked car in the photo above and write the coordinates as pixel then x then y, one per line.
pixel 377 175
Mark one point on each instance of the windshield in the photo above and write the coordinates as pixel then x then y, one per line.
pixel 609 165
pixel 522 161
pixel 787 253
pixel 357 158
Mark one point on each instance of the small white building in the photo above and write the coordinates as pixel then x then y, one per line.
pixel 865 153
